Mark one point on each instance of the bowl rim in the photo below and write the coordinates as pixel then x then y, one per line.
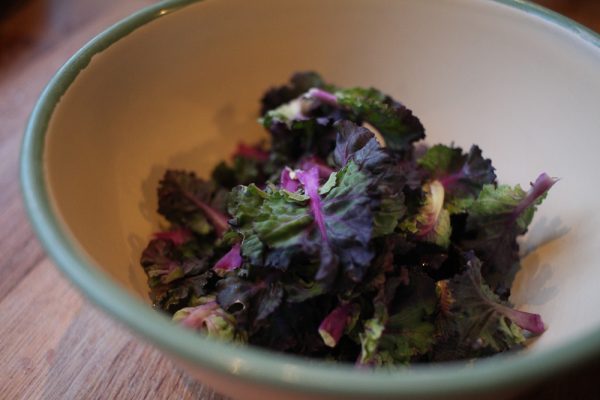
pixel 248 363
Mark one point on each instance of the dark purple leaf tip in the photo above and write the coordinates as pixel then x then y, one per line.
pixel 323 96
pixel 538 188
pixel 524 320
pixel 288 181
pixel 175 236
pixel 230 261
pixel 333 326
pixel 251 152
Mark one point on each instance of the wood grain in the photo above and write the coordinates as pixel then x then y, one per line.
pixel 71 351
pixel 28 59
pixel 53 344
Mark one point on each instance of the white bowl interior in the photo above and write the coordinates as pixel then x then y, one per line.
pixel 181 91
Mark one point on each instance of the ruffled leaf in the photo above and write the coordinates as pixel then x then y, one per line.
pixel 462 175
pixel 188 201
pixel 396 123
pixel 477 322
pixel 495 220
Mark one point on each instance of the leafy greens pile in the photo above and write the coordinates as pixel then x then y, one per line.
pixel 329 245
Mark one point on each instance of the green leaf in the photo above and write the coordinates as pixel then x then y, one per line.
pixel 440 159
pixel 287 113
pixel 477 322
pixel 282 220
pixel 391 209
pixel 369 340
pixel 462 175
pixel 244 205
pixel 404 330
pixel 396 123
pixel 495 220
pixel 495 207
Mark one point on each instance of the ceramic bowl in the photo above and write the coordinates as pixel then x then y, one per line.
pixel 177 86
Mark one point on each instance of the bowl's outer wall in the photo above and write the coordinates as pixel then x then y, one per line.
pixel 248 391
pixel 181 91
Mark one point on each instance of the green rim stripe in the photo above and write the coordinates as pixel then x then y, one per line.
pixel 251 364
pixel 555 18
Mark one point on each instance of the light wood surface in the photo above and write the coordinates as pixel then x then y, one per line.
pixel 53 343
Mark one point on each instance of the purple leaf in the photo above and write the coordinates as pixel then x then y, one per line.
pixel 256 152
pixel 175 236
pixel 185 199
pixel 529 321
pixel 218 220
pixel 323 96
pixel 333 326
pixel 287 182
pixel 358 143
pixel 312 162
pixel 542 184
pixel 230 261
pixel 310 181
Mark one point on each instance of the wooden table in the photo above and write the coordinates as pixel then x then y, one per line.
pixel 53 343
